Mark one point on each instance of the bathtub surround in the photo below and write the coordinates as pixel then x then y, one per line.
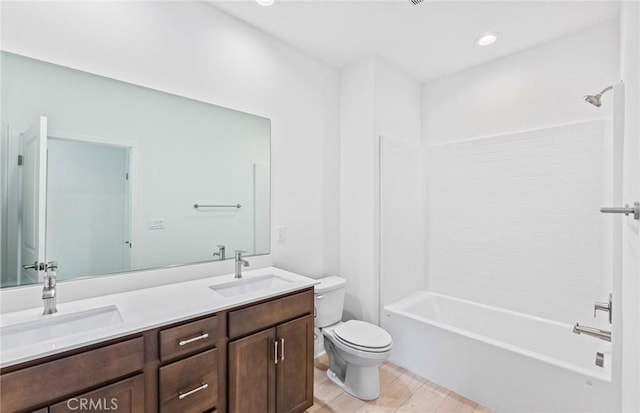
pixel 521 209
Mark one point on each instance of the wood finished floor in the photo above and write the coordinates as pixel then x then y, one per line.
pixel 400 391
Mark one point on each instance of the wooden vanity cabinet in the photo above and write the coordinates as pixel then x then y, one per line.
pixel 38 384
pixel 256 358
pixel 271 370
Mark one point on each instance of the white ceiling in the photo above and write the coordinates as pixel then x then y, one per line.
pixel 427 41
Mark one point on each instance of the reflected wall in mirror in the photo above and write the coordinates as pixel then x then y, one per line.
pixel 103 176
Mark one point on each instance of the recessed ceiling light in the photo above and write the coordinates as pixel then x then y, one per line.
pixel 266 2
pixel 487 39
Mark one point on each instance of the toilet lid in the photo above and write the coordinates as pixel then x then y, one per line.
pixel 362 334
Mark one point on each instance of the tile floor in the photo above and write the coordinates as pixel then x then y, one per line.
pixel 400 391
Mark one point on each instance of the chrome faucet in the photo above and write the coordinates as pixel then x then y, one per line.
pixel 593 332
pixel 49 289
pixel 222 252
pixel 240 263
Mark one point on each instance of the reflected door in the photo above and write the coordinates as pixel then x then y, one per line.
pixel 34 195
pixel 88 208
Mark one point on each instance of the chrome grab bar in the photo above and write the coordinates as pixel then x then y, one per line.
pixel 593 332
pixel 627 210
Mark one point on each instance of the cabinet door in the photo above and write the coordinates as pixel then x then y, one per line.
pixel 294 374
pixel 252 373
pixel 126 396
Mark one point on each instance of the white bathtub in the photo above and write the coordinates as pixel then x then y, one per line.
pixel 508 361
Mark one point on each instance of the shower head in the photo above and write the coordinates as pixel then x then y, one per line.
pixel 596 100
pixel 593 99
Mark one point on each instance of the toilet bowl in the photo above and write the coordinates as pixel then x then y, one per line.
pixel 355 348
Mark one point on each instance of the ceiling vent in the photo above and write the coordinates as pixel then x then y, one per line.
pixel 415 2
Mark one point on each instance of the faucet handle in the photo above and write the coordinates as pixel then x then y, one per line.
pixel 239 254
pixel 51 274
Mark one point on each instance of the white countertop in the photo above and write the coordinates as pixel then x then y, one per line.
pixel 142 310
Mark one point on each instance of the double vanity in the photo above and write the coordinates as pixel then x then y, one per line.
pixel 210 345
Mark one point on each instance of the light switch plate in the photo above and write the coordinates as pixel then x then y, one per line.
pixel 156 224
pixel 282 233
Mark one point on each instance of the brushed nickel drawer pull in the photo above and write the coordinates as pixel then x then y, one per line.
pixel 182 395
pixel 282 349
pixel 275 352
pixel 191 340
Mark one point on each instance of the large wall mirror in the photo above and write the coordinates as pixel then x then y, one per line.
pixel 103 176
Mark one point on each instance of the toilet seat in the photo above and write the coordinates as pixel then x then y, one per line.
pixel 363 336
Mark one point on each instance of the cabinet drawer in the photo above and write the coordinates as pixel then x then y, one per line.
pixel 270 313
pixel 186 338
pixel 126 396
pixel 70 375
pixel 190 385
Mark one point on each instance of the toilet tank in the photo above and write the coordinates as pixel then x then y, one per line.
pixel 329 300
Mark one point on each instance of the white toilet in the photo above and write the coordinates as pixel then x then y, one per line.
pixel 355 348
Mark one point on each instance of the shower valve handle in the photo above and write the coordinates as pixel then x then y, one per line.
pixel 607 307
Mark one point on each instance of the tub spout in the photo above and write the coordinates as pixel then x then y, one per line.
pixel 593 332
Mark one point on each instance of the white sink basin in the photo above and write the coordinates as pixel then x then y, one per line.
pixel 58 326
pixel 249 285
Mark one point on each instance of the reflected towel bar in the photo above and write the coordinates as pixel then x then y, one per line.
pixel 196 206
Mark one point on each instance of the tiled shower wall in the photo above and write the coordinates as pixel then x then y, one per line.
pixel 513 220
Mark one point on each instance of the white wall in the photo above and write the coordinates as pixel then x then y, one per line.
pixel 630 73
pixel 357 190
pixel 195 50
pixel 535 88
pixel 376 100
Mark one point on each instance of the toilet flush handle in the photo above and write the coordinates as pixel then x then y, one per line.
pixel 319 296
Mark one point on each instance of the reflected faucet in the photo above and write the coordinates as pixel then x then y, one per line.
pixel 222 249
pixel 49 289
pixel 240 263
